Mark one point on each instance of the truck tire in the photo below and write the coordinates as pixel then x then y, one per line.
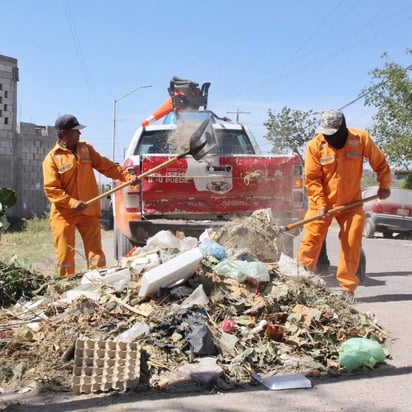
pixel 122 244
pixel 369 229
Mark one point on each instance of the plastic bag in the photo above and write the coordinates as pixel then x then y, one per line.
pixel 129 335
pixel 242 270
pixel 164 239
pixel 199 336
pixel 358 352
pixel 210 248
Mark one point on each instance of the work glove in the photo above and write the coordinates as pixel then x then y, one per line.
pixel 80 205
pixel 134 181
pixel 384 193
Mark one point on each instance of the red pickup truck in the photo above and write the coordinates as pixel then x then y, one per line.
pixel 234 179
pixel 189 196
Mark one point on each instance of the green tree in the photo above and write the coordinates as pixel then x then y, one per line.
pixel 290 129
pixel 407 183
pixel 392 124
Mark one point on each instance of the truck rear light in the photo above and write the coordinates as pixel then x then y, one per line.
pixel 298 183
pixel 297 197
pixel 297 169
pixel 131 201
pixel 128 163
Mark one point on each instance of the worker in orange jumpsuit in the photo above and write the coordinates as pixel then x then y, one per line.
pixel 333 172
pixel 69 182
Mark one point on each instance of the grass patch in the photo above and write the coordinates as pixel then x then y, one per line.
pixel 30 240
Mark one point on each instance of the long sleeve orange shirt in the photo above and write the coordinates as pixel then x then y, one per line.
pixel 70 177
pixel 333 176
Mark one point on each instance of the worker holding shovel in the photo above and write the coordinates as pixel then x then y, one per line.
pixel 333 173
pixel 69 183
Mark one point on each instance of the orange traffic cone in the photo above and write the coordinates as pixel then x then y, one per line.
pixel 163 110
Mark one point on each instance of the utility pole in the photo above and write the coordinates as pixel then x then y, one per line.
pixel 238 112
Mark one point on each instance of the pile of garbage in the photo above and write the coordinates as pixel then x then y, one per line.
pixel 197 312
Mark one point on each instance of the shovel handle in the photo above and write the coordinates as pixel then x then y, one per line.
pixel 200 144
pixel 333 211
pixel 140 177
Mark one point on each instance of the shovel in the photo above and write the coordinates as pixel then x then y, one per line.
pixel 333 211
pixel 202 142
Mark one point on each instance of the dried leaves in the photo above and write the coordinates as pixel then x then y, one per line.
pixel 284 326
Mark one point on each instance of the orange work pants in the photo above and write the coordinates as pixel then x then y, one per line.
pixel 351 225
pixel 64 235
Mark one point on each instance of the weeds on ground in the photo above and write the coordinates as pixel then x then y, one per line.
pixel 28 239
pixel 31 242
pixel 17 282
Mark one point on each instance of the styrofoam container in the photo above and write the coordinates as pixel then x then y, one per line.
pixel 176 269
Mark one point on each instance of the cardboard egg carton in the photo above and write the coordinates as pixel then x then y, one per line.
pixel 101 366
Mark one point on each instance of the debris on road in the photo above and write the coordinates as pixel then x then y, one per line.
pixel 200 326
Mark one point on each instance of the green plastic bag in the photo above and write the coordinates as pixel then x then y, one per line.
pixel 358 352
pixel 242 270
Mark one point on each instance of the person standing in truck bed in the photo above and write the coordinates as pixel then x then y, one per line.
pixel 333 173
pixel 69 182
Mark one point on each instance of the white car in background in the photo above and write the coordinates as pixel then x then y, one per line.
pixel 388 216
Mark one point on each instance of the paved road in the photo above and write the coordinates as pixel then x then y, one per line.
pixel 387 293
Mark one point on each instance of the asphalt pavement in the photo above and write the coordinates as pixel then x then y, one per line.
pixel 386 295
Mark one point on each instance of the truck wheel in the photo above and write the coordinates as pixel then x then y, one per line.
pixel 122 244
pixel 369 229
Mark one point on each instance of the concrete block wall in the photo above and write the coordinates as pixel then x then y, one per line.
pixel 21 158
pixel 23 147
pixel 7 142
pixel 33 143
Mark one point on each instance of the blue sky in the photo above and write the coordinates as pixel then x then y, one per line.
pixel 78 56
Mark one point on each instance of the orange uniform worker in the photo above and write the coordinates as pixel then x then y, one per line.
pixel 333 172
pixel 69 182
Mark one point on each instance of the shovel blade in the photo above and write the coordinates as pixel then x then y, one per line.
pixel 203 140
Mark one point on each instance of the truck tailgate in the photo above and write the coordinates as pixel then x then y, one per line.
pixel 216 185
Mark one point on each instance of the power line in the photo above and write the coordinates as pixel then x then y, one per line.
pixel 370 91
pixel 79 52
